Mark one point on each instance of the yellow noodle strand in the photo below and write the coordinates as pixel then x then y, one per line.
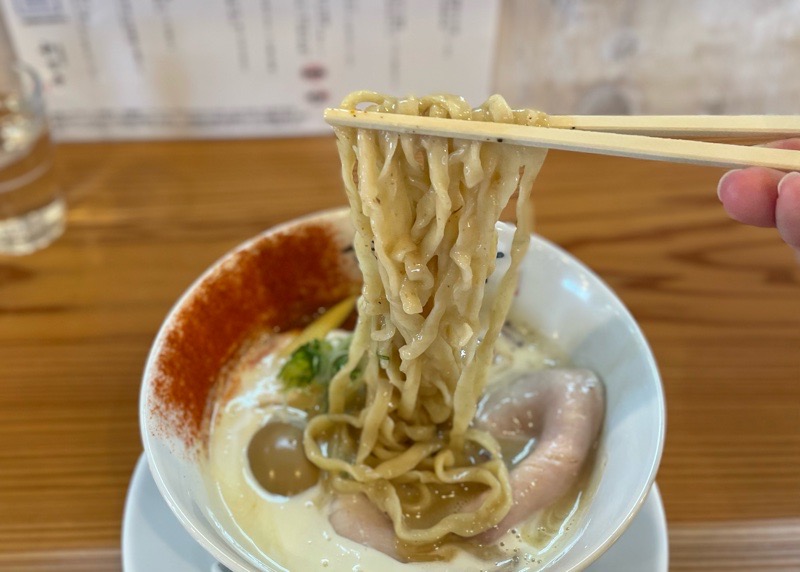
pixel 424 210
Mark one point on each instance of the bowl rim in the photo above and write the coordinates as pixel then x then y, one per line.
pixel 652 366
pixel 149 368
pixel 341 212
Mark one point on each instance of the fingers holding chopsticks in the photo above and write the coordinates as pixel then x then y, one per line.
pixel 765 197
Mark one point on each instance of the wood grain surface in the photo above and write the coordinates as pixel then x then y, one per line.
pixel 718 301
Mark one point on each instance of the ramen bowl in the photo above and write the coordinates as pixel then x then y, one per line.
pixel 281 277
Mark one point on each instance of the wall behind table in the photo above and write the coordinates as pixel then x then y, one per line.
pixel 649 56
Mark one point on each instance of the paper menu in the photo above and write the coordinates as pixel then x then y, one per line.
pixel 121 69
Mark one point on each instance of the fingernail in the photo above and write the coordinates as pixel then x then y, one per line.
pixel 722 181
pixel 787 180
pixel 791 144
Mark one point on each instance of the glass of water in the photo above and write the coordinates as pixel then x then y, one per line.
pixel 32 210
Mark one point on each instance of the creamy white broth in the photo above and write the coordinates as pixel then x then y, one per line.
pixel 293 533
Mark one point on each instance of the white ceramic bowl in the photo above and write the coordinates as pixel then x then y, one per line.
pixel 304 264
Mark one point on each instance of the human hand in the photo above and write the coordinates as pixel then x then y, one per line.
pixel 765 197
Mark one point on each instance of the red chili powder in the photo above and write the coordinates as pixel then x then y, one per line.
pixel 276 284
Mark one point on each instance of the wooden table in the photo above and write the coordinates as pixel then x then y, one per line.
pixel 719 302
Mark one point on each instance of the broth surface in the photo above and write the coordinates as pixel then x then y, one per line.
pixel 293 532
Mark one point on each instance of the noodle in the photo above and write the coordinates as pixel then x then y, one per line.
pixel 424 210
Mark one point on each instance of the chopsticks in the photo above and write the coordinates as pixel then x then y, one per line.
pixel 617 144
pixel 777 126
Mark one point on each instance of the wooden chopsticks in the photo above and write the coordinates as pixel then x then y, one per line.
pixel 777 126
pixel 582 140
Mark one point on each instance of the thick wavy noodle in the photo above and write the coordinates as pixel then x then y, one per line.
pixel 424 210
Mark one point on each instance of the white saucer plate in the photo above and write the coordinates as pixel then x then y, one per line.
pixel 154 541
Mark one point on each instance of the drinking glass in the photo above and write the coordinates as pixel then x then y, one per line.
pixel 32 210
